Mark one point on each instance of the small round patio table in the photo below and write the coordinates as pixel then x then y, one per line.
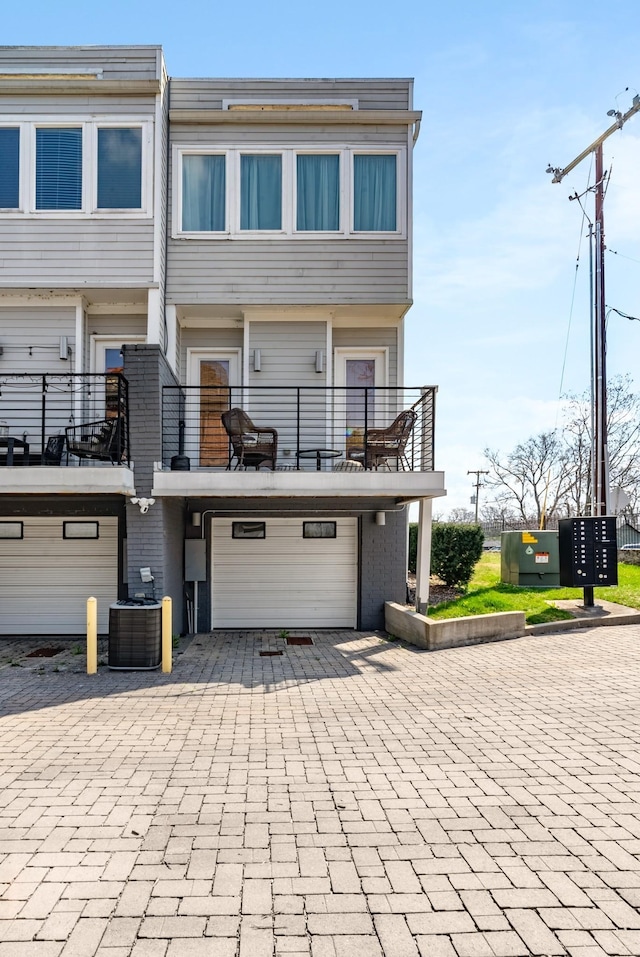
pixel 319 455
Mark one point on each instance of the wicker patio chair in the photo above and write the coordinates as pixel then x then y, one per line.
pixel 384 444
pixel 100 440
pixel 252 445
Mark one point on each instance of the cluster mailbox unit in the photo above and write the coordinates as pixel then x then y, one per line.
pixel 588 552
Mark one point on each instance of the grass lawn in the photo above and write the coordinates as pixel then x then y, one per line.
pixel 486 594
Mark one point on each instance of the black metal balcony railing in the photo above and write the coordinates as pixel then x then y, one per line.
pixel 63 419
pixel 298 428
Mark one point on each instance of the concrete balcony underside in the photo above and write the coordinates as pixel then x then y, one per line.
pixel 85 480
pixel 396 486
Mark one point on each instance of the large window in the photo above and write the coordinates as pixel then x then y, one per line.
pixel 318 192
pixel 59 168
pixel 260 191
pixel 203 193
pixel 77 167
pixel 119 168
pixel 374 193
pixel 10 167
pixel 301 192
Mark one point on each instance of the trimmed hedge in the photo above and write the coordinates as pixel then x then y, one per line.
pixel 455 550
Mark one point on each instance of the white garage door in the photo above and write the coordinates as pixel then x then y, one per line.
pixel 45 578
pixel 284 580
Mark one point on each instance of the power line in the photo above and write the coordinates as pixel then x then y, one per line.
pixel 624 314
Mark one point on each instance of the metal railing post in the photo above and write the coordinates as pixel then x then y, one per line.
pixel 298 428
pixel 43 418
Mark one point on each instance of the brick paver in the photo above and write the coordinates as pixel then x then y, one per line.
pixel 353 798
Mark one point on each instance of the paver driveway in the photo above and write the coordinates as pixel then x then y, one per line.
pixel 355 798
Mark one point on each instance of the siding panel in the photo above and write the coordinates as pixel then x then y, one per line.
pixel 372 94
pixel 75 252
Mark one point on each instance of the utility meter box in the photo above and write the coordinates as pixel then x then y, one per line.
pixel 588 551
pixel 530 558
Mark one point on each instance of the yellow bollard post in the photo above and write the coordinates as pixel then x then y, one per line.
pixel 92 636
pixel 167 636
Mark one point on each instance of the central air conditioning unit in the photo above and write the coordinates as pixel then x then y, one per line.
pixel 135 634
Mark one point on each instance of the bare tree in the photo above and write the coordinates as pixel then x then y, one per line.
pixel 462 516
pixel 536 476
pixel 550 474
pixel 623 441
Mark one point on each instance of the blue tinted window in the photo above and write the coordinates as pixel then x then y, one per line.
pixel 203 193
pixel 119 168
pixel 260 192
pixel 9 168
pixel 59 169
pixel 318 192
pixel 374 189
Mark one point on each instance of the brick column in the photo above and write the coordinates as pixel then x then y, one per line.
pixel 154 539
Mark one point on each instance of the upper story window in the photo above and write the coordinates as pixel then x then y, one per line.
pixel 374 193
pixel 293 192
pixel 119 168
pixel 82 168
pixel 203 193
pixel 10 167
pixel 260 191
pixel 318 192
pixel 59 168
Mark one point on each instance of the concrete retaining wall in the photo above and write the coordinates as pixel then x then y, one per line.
pixel 433 635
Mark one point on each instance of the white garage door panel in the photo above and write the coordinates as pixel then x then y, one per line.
pixel 284 580
pixel 45 579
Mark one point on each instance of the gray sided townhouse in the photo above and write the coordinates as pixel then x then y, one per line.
pixel 203 285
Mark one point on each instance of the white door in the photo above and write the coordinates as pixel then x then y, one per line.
pixel 358 374
pixel 284 579
pixel 107 357
pixel 216 374
pixel 46 578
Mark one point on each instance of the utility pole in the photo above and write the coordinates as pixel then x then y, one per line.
pixel 599 463
pixel 477 485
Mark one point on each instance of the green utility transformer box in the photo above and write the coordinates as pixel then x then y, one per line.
pixel 530 558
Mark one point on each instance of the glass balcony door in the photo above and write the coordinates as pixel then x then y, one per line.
pixel 359 372
pixel 216 374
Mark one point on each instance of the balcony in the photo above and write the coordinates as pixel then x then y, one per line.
pixel 283 441
pixel 50 425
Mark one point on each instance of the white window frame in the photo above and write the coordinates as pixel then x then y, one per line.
pixel 100 344
pixel 343 194
pixel 27 187
pixel 176 191
pixel 23 169
pixel 289 195
pixel 97 355
pixel 401 180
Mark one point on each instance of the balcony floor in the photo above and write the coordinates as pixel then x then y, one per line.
pixel 399 486
pixel 52 480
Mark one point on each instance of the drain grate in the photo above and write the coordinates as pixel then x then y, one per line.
pixel 270 654
pixel 44 653
pixel 299 640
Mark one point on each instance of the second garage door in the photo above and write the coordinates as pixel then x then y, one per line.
pixel 278 573
pixel 50 568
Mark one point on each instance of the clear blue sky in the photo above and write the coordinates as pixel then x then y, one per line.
pixel 505 88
